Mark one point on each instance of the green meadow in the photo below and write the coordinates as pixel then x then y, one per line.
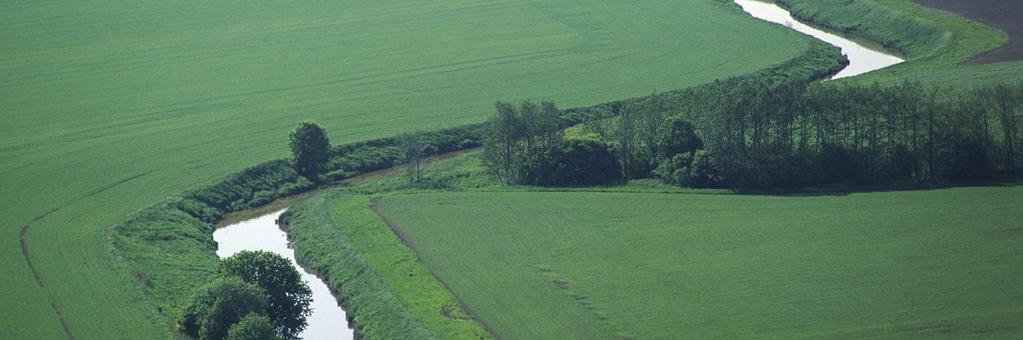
pixel 909 264
pixel 108 107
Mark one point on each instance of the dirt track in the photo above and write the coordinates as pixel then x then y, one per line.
pixel 1006 15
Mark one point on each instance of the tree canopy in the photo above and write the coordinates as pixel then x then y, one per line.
pixel 310 149
pixel 288 297
pixel 220 304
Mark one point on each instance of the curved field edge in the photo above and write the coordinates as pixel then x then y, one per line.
pixel 936 43
pixel 931 263
pixel 387 292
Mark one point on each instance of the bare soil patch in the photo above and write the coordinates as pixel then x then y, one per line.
pixel 1006 15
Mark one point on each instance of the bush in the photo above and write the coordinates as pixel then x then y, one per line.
pixel 220 304
pixel 675 137
pixel 253 327
pixel 575 162
pixel 695 169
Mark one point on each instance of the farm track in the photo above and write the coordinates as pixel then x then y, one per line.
pixel 374 204
pixel 23 238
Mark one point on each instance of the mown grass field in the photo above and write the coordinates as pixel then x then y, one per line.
pixel 931 263
pixel 108 107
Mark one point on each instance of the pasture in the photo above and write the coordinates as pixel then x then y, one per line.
pixel 109 107
pixel 929 263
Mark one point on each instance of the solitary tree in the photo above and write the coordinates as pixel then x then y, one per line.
pixel 288 297
pixel 310 149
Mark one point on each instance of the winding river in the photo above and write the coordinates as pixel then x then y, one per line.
pixel 328 319
pixel 862 59
pixel 262 233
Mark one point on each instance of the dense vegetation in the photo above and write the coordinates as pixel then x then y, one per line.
pixel 759 132
pixel 931 264
pixel 112 107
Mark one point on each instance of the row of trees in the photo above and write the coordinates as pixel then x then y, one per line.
pixel 256 295
pixel 766 133
pixel 761 134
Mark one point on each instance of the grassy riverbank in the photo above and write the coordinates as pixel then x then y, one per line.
pixel 935 43
pixel 384 289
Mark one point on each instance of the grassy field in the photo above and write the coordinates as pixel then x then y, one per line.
pixel 935 43
pixel 933 263
pixel 112 106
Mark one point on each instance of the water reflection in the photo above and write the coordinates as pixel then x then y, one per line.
pixel 861 58
pixel 262 233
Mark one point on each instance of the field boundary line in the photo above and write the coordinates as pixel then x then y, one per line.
pixel 374 205
pixel 23 240
pixel 26 253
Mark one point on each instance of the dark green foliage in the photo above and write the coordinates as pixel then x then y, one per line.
pixel 220 304
pixel 574 163
pixel 695 169
pixel 519 139
pixel 253 327
pixel 310 149
pixel 783 134
pixel 288 297
pixel 676 136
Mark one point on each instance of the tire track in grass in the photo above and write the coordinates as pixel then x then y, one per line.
pixel 23 241
pixel 374 204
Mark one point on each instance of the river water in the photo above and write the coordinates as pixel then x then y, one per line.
pixel 262 233
pixel 328 319
pixel 862 59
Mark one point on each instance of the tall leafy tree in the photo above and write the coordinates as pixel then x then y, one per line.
pixel 310 149
pixel 220 304
pixel 288 297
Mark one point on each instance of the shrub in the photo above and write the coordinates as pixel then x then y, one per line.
pixel 575 162
pixel 253 327
pixel 220 304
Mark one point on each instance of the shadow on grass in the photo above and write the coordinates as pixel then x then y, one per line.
pixel 845 189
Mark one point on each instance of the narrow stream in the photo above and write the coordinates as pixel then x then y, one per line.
pixel 862 59
pixel 262 233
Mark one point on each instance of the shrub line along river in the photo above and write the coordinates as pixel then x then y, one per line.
pixel 328 320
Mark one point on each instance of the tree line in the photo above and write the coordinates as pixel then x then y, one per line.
pixel 771 133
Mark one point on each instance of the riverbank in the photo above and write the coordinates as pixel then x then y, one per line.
pixel 936 44
pixel 1005 15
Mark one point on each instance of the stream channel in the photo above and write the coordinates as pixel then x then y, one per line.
pixel 328 319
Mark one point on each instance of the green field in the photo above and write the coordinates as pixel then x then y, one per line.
pixel 108 107
pixel 918 264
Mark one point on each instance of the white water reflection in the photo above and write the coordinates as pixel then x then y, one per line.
pixel 861 58
pixel 262 233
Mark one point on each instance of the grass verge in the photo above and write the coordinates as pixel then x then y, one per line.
pixel 379 281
